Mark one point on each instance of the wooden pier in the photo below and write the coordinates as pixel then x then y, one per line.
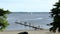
pixel 29 25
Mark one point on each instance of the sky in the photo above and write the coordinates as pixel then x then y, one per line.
pixel 27 5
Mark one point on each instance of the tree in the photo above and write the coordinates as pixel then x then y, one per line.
pixel 55 14
pixel 3 19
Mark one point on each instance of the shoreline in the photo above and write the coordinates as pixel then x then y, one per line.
pixel 29 32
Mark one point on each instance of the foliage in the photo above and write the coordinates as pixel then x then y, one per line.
pixel 3 19
pixel 55 14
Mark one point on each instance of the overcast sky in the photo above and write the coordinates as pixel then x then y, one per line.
pixel 27 5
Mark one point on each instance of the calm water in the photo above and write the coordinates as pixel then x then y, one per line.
pixel 35 18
